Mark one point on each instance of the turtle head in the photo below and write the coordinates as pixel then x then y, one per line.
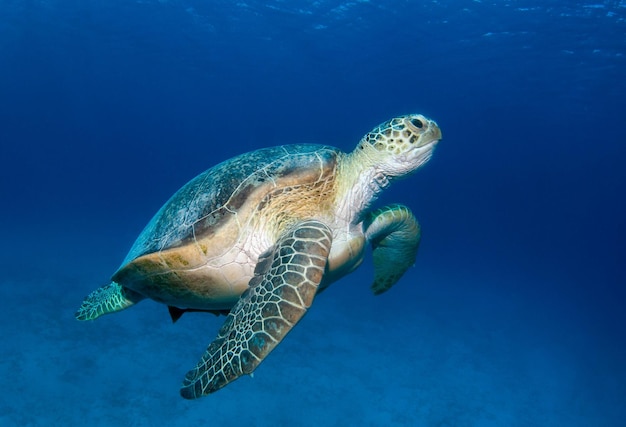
pixel 400 145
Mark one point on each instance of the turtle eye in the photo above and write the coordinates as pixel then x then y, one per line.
pixel 417 123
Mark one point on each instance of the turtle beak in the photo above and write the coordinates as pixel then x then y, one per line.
pixel 434 131
pixel 428 131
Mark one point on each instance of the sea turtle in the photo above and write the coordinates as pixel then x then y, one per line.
pixel 258 236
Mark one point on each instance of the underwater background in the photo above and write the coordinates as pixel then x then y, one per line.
pixel 514 314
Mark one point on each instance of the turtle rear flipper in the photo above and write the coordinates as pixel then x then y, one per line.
pixel 282 289
pixel 395 236
pixel 107 299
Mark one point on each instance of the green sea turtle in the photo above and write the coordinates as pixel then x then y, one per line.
pixel 258 236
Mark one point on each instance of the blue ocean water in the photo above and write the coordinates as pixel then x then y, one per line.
pixel 514 313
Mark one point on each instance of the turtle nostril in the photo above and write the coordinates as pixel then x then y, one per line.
pixel 417 123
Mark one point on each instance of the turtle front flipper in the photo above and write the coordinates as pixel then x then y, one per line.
pixel 285 281
pixel 107 299
pixel 395 236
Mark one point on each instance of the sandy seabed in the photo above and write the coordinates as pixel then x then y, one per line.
pixel 440 353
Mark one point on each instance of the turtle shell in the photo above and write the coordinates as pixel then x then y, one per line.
pixel 207 203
